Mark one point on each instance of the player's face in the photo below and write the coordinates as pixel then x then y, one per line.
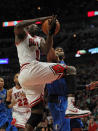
pixel 1 82
pixel 16 78
pixel 33 29
pixel 59 51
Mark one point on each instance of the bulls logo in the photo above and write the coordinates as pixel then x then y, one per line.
pixel 57 69
pixel 32 42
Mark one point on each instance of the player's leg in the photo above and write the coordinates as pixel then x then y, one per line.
pixel 35 118
pixel 72 111
pixel 3 119
pixel 41 73
pixel 67 125
pixel 19 119
pixel 34 94
pixel 10 126
pixel 33 121
pixel 57 107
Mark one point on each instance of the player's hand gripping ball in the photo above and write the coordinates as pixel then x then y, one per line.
pixel 46 26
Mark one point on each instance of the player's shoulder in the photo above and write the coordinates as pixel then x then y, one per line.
pixel 38 37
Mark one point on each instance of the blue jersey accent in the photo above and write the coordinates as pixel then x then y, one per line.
pixel 3 94
pixel 57 87
pixel 3 109
pixel 62 62
pixel 10 127
pixel 67 125
pixel 5 113
pixel 9 112
pixel 58 113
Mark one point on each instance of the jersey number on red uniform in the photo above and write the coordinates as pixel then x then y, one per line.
pixel 22 102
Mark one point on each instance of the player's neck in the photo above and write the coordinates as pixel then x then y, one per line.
pixel 18 87
pixel 1 88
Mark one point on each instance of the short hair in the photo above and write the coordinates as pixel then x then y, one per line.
pixel 2 77
pixel 59 47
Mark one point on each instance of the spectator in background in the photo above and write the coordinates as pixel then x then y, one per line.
pixel 92 124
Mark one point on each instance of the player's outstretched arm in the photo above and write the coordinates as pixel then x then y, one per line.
pixel 19 29
pixel 21 25
pixel 93 85
pixel 48 44
pixel 25 23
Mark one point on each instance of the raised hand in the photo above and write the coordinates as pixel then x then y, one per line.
pixel 93 85
pixel 52 25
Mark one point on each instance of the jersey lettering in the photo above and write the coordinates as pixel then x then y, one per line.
pixel 19 94
pixel 22 102
pixel 32 42
pixel 28 50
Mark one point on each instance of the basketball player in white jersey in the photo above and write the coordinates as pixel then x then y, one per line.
pixel 21 110
pixel 34 74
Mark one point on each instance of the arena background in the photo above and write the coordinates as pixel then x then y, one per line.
pixel 77 35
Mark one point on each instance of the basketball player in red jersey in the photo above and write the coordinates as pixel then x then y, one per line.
pixel 18 101
pixel 34 74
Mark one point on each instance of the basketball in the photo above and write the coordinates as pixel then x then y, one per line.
pixel 45 27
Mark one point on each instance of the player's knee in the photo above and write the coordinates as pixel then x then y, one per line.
pixel 71 70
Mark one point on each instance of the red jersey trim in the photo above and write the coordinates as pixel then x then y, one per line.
pixel 24 65
pixel 18 125
pixel 35 102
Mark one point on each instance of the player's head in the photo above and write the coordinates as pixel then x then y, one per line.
pixel 16 79
pixel 1 82
pixel 33 29
pixel 60 52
